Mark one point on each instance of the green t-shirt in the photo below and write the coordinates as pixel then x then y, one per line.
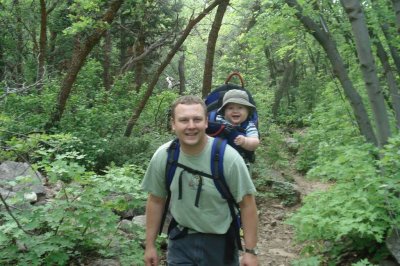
pixel 212 214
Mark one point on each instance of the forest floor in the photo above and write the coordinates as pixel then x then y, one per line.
pixel 276 245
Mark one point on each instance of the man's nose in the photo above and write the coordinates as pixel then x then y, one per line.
pixel 191 123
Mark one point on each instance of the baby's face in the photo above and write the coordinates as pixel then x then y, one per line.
pixel 236 113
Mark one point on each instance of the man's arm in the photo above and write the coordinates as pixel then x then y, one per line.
pixel 248 211
pixel 154 210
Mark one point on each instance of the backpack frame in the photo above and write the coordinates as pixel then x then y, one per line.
pixel 215 128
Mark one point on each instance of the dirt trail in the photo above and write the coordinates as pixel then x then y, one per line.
pixel 276 245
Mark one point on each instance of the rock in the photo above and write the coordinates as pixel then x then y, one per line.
pixel 292 144
pixel 31 197
pixel 126 226
pixel 388 263
pixel 393 244
pixel 280 216
pixel 104 262
pixel 281 252
pixel 140 220
pixel 11 171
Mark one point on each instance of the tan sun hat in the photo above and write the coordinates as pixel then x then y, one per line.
pixel 236 96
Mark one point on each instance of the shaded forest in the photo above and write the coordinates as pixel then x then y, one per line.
pixel 85 88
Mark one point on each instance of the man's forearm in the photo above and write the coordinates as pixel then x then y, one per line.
pixel 154 211
pixel 249 220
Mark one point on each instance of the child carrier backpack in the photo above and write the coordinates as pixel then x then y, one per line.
pixel 217 175
pixel 223 130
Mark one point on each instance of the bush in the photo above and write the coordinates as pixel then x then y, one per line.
pixel 80 221
pixel 357 212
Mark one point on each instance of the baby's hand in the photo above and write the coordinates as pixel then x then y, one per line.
pixel 240 140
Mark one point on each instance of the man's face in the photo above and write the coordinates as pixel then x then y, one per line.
pixel 189 124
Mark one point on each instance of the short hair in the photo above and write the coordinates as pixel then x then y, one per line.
pixel 188 99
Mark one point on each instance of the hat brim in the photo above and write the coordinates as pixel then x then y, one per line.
pixel 238 101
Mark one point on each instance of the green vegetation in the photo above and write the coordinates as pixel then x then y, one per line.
pixel 85 103
pixel 81 219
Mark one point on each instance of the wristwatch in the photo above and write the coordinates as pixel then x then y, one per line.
pixel 251 251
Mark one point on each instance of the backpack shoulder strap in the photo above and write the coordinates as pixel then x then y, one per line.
pixel 170 168
pixel 172 159
pixel 217 169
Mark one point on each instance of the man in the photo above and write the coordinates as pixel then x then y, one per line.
pixel 209 220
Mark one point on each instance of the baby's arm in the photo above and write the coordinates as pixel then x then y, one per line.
pixel 247 143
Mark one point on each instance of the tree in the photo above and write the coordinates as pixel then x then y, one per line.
pixel 42 42
pixel 368 69
pixel 396 8
pixel 329 45
pixel 44 12
pixel 212 40
pixel 107 47
pixel 146 26
pixel 79 55
pixel 390 77
pixel 192 22
pixel 181 70
pixel 386 23
pixel 287 80
pixel 20 44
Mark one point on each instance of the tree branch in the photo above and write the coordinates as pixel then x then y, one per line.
pixel 12 215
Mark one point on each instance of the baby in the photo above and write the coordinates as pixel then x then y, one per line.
pixel 236 109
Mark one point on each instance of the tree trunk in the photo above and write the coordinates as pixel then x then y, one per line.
pixel 139 64
pixel 392 43
pixel 52 47
pixel 283 88
pixel 181 71
pixel 396 8
pixel 78 59
pixel 273 70
pixel 107 80
pixel 2 61
pixel 19 77
pixel 255 12
pixel 340 71
pixel 138 110
pixel 122 40
pixel 391 80
pixel 368 69
pixel 212 40
pixel 386 27
pixel 42 44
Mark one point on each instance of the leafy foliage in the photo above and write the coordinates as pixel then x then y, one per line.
pixel 331 126
pixel 276 151
pixel 80 220
pixel 359 209
pixel 90 158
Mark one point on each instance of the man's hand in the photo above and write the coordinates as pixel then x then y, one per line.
pixel 249 260
pixel 151 256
